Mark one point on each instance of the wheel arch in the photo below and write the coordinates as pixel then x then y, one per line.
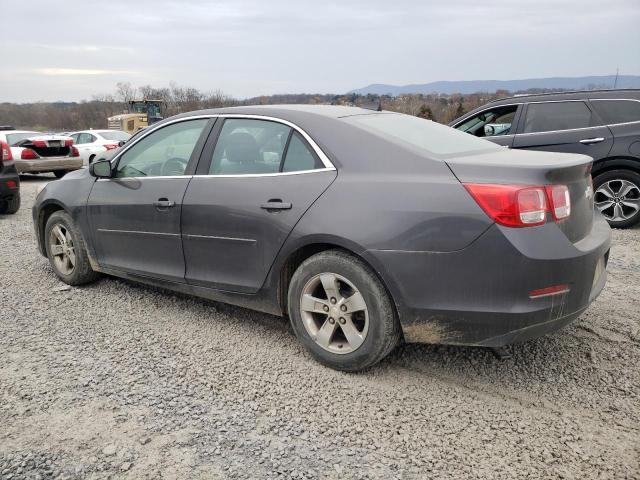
pixel 303 250
pixel 44 213
pixel 616 163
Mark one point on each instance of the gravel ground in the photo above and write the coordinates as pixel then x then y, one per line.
pixel 118 380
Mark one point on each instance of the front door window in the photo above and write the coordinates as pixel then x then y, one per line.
pixel 491 123
pixel 164 152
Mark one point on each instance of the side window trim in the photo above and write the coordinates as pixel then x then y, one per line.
pixel 285 151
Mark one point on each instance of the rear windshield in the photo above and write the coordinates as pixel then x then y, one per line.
pixel 15 138
pixel 115 135
pixel 425 135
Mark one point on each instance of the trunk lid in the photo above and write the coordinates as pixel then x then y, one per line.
pixel 536 168
pixel 48 145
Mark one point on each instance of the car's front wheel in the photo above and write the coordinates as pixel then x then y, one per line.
pixel 617 196
pixel 341 312
pixel 66 250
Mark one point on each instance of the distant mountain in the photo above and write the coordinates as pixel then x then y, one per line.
pixel 473 86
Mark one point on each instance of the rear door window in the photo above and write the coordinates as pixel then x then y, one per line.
pixel 553 116
pixel 617 111
pixel 249 147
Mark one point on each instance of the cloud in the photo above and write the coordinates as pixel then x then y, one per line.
pixel 253 47
pixel 74 72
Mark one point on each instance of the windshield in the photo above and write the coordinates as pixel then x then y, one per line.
pixel 428 136
pixel 14 138
pixel 115 135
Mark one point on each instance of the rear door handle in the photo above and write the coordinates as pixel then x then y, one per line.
pixel 276 204
pixel 163 203
pixel 589 141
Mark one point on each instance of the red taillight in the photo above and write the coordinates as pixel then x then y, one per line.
pixel 28 154
pixel 110 146
pixel 548 291
pixel 68 143
pixel 38 143
pixel 6 152
pixel 75 152
pixel 560 201
pixel 521 205
pixel 511 205
pixel 12 184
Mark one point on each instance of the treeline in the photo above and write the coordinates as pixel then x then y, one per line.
pixel 65 116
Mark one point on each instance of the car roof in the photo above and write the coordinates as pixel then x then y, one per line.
pixel 9 132
pixel 286 111
pixel 632 93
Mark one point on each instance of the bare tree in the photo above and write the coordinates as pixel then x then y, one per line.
pixel 125 92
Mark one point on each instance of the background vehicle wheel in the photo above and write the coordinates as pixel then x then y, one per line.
pixel 617 196
pixel 60 173
pixel 66 250
pixel 341 312
pixel 10 207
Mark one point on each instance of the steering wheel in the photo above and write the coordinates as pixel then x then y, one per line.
pixel 173 166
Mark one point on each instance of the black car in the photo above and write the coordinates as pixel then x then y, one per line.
pixel 9 179
pixel 364 227
pixel 604 124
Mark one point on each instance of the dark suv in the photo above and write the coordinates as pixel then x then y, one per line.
pixel 9 179
pixel 604 124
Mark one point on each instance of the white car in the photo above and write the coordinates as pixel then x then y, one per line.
pixel 94 142
pixel 35 152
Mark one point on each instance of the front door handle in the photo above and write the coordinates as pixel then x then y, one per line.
pixel 276 204
pixel 589 141
pixel 163 203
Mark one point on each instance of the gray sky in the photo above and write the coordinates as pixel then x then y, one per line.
pixel 72 49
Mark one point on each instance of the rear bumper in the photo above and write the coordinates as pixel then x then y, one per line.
pixel 480 295
pixel 48 164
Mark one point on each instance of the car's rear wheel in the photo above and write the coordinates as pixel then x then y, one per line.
pixel 341 312
pixel 60 173
pixel 66 250
pixel 617 196
pixel 10 206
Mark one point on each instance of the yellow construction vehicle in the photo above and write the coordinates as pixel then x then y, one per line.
pixel 140 114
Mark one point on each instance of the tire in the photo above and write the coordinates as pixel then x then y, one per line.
pixel 81 272
pixel 60 173
pixel 378 327
pixel 619 192
pixel 9 207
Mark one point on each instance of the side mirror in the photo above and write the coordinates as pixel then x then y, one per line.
pixel 121 143
pixel 100 169
pixel 489 130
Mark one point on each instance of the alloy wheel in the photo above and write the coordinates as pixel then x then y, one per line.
pixel 618 200
pixel 62 249
pixel 334 313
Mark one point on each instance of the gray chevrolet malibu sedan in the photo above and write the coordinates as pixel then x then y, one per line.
pixel 365 228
